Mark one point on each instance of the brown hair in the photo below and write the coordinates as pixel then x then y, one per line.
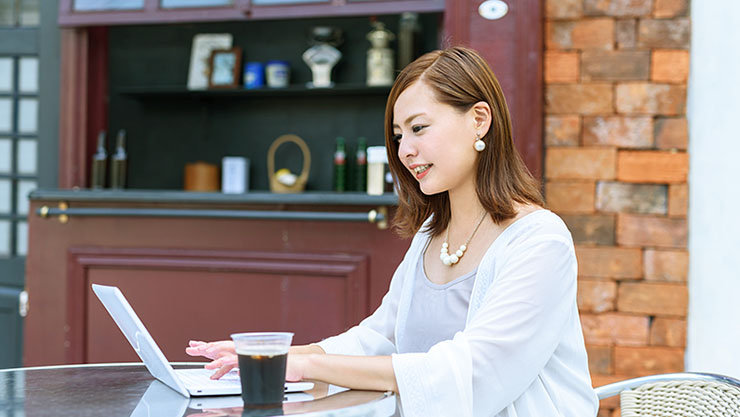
pixel 461 78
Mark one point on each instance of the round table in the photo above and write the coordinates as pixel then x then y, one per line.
pixel 129 390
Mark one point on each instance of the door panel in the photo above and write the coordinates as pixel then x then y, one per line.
pixel 10 328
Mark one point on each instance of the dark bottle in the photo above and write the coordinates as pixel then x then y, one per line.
pixel 340 166
pixel 361 165
pixel 97 176
pixel 118 162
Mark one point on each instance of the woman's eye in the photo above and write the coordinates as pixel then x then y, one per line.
pixel 417 128
pixel 396 138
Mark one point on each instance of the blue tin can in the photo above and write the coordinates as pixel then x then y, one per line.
pixel 254 75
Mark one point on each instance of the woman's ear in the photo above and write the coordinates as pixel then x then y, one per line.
pixel 481 113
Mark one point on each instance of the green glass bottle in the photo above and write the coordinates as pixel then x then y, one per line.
pixel 361 165
pixel 340 166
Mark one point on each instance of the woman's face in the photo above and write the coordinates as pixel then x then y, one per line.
pixel 435 140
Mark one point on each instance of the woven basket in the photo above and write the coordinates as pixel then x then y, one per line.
pixel 300 184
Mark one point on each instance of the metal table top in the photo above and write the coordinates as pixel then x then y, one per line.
pixel 129 390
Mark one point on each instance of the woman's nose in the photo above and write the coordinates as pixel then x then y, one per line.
pixel 406 149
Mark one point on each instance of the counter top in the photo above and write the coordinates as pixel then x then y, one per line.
pixel 256 197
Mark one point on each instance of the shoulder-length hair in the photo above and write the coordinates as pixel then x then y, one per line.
pixel 460 77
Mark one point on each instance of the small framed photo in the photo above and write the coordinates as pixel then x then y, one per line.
pixel 225 68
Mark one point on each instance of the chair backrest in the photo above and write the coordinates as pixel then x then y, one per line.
pixel 681 398
pixel 686 394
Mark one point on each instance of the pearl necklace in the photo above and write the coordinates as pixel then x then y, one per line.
pixel 451 260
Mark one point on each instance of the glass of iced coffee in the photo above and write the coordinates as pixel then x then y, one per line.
pixel 262 361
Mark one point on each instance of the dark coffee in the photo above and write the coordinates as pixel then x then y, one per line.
pixel 263 378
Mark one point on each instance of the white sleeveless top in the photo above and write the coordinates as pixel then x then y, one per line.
pixel 437 311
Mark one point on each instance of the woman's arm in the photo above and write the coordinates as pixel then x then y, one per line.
pixel 357 372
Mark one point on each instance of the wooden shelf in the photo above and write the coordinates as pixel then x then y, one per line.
pixel 252 197
pixel 295 90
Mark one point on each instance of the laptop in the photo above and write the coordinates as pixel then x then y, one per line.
pixel 188 382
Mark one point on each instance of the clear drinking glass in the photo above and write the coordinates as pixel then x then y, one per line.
pixel 262 361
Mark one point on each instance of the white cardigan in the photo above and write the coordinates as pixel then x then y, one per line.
pixel 521 353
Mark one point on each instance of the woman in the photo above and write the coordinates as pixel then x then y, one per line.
pixel 481 316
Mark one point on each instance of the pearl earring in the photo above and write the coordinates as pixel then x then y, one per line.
pixel 479 145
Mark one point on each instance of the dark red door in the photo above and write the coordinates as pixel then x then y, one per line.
pixel 512 45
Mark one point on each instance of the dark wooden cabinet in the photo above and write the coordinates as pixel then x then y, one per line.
pixel 194 278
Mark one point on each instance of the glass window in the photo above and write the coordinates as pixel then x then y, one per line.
pixel 29 13
pixel 90 5
pixel 275 2
pixel 5 152
pixel 6 114
pixel 6 13
pixel 6 74
pixel 21 239
pixel 4 238
pixel 24 188
pixel 26 158
pixel 28 73
pixel 28 115
pixel 4 196
pixel 172 4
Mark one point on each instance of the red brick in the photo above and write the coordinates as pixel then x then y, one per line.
pixel 600 358
pixel 561 67
pixel 671 133
pixel 616 197
pixel 670 66
pixel 652 166
pixel 678 200
pixel 617 7
pixel 651 231
pixel 562 130
pixel 563 9
pixel 580 163
pixel 624 132
pixel 615 329
pixel 653 298
pixel 596 296
pixel 593 34
pixel 615 65
pixel 664 33
pixel 609 262
pixel 670 8
pixel 648 360
pixel 579 99
pixel 580 34
pixel 591 229
pixel 666 265
pixel 570 197
pixel 668 332
pixel 646 98
pixel 626 33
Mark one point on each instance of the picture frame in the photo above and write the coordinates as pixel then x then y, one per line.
pixel 225 68
pixel 200 57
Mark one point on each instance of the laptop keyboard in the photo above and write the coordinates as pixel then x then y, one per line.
pixel 202 378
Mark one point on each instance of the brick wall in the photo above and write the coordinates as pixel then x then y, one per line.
pixel 616 171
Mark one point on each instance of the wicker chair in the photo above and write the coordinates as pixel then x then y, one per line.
pixel 687 394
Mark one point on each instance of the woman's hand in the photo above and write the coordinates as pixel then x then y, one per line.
pixel 222 354
pixel 211 350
